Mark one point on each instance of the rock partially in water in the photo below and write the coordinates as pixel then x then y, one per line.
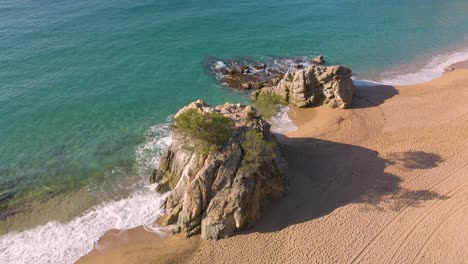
pixel 245 74
pixel 245 81
pixel 250 77
pixel 220 192
pixel 314 86
pixel 318 60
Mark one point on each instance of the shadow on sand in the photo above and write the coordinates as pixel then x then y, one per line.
pixel 326 175
pixel 372 95
pixel 414 160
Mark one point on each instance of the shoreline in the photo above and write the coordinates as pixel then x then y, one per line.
pixel 297 121
pixel 424 69
pixel 316 123
pixel 460 65
pixel 138 241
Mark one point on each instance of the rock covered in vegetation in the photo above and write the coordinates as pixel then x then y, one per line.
pixel 314 86
pixel 219 190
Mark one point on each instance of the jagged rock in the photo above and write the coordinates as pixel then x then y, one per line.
pixel 260 66
pixel 218 193
pixel 247 74
pixel 318 60
pixel 275 80
pixel 313 86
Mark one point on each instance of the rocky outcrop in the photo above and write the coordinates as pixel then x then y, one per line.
pixel 314 86
pixel 219 192
pixel 247 74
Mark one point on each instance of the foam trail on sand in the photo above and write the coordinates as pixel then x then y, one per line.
pixel 364 82
pixel 433 69
pixel 64 243
pixel 281 123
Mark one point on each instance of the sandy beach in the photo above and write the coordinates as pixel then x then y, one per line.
pixel 383 182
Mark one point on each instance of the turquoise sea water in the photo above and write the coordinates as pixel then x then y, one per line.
pixel 87 86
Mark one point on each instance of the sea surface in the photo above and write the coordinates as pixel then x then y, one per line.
pixel 88 88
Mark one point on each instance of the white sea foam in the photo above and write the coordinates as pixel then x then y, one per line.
pixel 65 243
pixel 157 139
pixel 286 64
pixel 219 65
pixel 281 123
pixel 364 82
pixel 433 69
pixel 272 67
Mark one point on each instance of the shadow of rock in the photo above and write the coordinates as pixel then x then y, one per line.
pixel 414 159
pixel 372 95
pixel 326 175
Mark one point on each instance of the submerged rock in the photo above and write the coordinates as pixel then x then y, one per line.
pixel 314 86
pixel 219 192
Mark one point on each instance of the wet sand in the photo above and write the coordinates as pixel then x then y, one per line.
pixel 383 182
pixel 140 246
pixel 460 65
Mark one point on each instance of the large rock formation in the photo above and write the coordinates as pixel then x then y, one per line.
pixel 219 192
pixel 313 86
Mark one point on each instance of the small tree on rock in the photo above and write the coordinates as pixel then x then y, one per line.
pixel 257 150
pixel 205 129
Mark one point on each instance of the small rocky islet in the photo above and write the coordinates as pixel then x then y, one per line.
pixel 215 193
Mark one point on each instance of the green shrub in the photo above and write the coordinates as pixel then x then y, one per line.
pixel 268 105
pixel 206 129
pixel 252 114
pixel 257 149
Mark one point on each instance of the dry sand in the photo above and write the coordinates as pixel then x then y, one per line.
pixel 383 182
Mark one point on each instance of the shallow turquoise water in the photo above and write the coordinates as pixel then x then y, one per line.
pixel 82 81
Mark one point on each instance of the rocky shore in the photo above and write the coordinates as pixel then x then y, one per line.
pixel 246 74
pixel 300 82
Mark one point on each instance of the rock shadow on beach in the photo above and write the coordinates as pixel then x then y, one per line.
pixel 372 95
pixel 324 176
